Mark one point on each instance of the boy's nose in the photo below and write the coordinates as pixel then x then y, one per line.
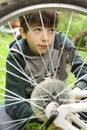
pixel 45 36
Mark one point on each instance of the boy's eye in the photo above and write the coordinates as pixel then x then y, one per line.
pixel 37 29
pixel 52 30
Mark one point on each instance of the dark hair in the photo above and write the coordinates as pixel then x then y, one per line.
pixel 50 18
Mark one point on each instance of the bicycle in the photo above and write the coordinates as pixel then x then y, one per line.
pixel 40 104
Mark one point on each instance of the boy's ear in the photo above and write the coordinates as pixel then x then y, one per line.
pixel 22 33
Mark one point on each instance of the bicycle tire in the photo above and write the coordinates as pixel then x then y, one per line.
pixel 10 6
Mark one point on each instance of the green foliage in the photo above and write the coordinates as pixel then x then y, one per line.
pixel 72 24
pixel 78 23
pixel 4 41
pixel 1 0
pixel 35 126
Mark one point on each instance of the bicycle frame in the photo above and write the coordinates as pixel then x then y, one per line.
pixel 67 110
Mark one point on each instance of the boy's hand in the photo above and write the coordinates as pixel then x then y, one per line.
pixel 75 94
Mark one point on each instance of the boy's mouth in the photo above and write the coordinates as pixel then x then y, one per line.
pixel 43 46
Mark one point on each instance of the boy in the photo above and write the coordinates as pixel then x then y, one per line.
pixel 37 38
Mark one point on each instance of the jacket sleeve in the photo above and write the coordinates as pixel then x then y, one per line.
pixel 79 67
pixel 16 106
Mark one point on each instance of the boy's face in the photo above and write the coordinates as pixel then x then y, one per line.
pixel 39 39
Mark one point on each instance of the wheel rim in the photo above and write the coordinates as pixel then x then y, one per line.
pixel 44 6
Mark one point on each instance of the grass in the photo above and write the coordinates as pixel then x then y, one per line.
pixel 35 126
pixel 1 0
pixel 5 39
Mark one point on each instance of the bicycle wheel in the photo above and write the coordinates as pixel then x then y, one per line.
pixel 49 88
pixel 11 6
